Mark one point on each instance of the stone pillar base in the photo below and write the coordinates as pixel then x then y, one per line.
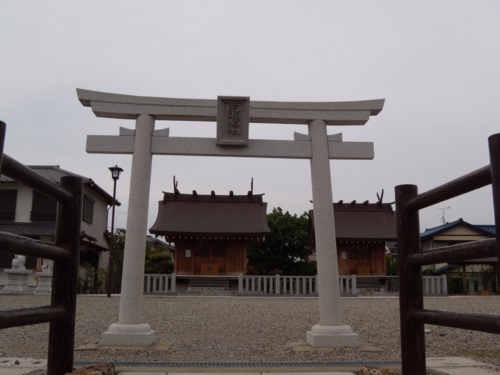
pixel 17 282
pixel 44 284
pixel 128 335
pixel 332 337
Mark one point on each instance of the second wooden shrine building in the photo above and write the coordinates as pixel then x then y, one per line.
pixel 362 229
pixel 211 232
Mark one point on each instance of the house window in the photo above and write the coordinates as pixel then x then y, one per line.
pixel 88 209
pixel 43 208
pixel 8 199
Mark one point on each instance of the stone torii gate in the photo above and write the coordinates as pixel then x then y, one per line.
pixel 233 115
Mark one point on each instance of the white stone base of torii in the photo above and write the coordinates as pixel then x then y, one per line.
pixel 230 113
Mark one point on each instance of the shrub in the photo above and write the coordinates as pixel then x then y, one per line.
pixel 90 280
pixel 391 265
pixel 455 285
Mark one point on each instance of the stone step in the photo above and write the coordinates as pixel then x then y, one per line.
pixel 206 293
pixel 208 283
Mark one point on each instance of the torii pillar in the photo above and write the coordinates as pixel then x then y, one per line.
pixel 330 332
pixel 233 114
pixel 129 329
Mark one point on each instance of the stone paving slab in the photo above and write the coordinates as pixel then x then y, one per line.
pixel 442 366
pixel 460 366
pixel 20 366
pixel 157 345
pixel 236 373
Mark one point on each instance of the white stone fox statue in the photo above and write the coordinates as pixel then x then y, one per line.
pixel 18 262
pixel 47 266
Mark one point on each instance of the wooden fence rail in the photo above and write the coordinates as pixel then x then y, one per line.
pixel 14 244
pixel 61 312
pixel 412 314
pixel 32 315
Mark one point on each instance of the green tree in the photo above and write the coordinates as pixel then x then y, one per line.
pixel 284 250
pixel 157 260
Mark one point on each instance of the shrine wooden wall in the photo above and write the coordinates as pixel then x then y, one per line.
pixel 194 257
pixel 362 259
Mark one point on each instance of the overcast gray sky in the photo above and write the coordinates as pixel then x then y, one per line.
pixel 437 64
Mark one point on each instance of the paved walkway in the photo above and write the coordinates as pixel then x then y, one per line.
pixel 444 366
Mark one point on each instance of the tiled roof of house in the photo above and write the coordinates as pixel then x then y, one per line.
pixel 432 231
pixel 29 229
pixel 54 173
pixel 487 228
pixel 150 240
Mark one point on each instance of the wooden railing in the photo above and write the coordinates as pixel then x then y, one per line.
pixel 61 313
pixel 413 316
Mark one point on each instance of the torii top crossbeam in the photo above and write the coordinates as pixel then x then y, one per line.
pixel 129 107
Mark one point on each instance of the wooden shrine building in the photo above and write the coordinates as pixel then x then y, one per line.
pixel 362 229
pixel 211 232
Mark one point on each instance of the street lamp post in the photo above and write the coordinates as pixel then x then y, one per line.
pixel 115 175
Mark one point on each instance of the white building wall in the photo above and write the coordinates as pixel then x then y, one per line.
pixel 98 226
pixel 23 204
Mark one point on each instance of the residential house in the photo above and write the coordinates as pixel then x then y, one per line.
pixel 454 233
pixel 30 213
pixel 156 244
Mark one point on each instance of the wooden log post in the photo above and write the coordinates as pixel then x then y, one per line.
pixel 3 129
pixel 494 146
pixel 497 287
pixel 465 288
pixel 64 279
pixel 410 284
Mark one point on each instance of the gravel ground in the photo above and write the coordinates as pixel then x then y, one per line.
pixel 253 329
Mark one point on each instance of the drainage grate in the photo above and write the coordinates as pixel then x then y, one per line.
pixel 243 364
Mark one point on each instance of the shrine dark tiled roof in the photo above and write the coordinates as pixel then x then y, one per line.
pixel 368 221
pixel 211 215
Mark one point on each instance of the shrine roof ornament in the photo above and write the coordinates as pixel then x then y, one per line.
pixel 129 107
